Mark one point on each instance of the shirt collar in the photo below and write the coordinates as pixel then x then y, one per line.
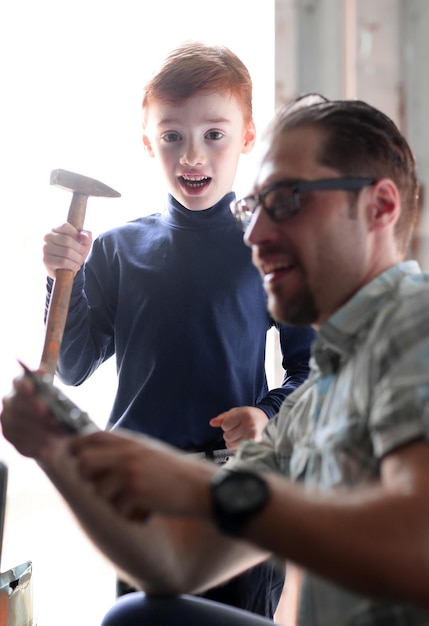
pixel 338 335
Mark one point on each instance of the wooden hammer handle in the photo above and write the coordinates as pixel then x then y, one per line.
pixel 60 296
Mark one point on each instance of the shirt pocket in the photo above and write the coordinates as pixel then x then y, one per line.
pixel 343 453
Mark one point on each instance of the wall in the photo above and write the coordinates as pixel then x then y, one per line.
pixel 372 50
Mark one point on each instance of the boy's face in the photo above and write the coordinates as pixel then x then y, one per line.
pixel 198 144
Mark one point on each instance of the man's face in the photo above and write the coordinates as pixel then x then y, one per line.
pixel 198 144
pixel 313 262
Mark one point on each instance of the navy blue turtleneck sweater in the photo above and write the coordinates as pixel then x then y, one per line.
pixel 176 298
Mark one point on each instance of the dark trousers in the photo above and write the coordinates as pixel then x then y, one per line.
pixel 136 609
pixel 256 590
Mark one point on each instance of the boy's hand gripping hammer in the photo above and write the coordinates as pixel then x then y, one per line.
pixel 82 187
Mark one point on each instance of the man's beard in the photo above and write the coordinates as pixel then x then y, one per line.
pixel 299 311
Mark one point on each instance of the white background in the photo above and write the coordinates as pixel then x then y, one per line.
pixel 71 84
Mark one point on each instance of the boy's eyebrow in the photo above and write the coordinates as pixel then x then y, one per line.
pixel 217 120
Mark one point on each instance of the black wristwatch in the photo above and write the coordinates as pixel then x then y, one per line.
pixel 237 495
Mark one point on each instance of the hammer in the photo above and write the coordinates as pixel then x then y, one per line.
pixel 82 187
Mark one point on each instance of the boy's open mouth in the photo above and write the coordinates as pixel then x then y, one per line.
pixel 194 182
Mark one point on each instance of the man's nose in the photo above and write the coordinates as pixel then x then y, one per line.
pixel 193 154
pixel 260 229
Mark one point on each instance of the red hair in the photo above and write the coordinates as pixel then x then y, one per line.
pixel 194 68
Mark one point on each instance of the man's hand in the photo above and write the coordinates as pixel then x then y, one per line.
pixel 240 424
pixel 65 248
pixel 28 424
pixel 138 475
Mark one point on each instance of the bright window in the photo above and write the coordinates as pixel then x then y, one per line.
pixel 72 76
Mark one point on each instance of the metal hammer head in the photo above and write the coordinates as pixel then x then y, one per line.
pixel 81 184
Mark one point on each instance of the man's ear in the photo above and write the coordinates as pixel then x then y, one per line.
pixel 385 205
pixel 249 138
pixel 148 145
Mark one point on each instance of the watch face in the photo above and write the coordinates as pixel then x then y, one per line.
pixel 237 496
pixel 242 492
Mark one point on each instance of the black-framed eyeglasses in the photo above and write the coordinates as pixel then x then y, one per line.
pixel 281 199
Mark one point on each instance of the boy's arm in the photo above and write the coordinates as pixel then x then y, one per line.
pixel 88 336
pixel 248 422
pixel 295 344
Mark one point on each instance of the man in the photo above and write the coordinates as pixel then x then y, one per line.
pixel 339 484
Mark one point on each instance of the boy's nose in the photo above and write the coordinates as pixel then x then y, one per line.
pixel 192 155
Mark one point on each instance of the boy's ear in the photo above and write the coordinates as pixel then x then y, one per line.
pixel 147 145
pixel 249 138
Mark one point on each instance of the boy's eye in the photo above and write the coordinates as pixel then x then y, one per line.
pixel 170 137
pixel 214 134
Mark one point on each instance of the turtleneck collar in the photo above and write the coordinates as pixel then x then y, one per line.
pixel 217 215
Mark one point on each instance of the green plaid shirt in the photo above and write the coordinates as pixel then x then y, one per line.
pixel 367 394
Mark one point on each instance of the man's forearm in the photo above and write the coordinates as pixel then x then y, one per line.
pixel 374 540
pixel 163 555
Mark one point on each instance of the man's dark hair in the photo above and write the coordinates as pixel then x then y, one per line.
pixel 360 140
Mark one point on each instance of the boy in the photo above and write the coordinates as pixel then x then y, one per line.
pixel 175 295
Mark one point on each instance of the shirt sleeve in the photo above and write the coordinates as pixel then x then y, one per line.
pixel 259 456
pixel 400 403
pixel 295 343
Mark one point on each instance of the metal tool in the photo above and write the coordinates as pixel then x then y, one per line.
pixel 68 415
pixel 82 187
